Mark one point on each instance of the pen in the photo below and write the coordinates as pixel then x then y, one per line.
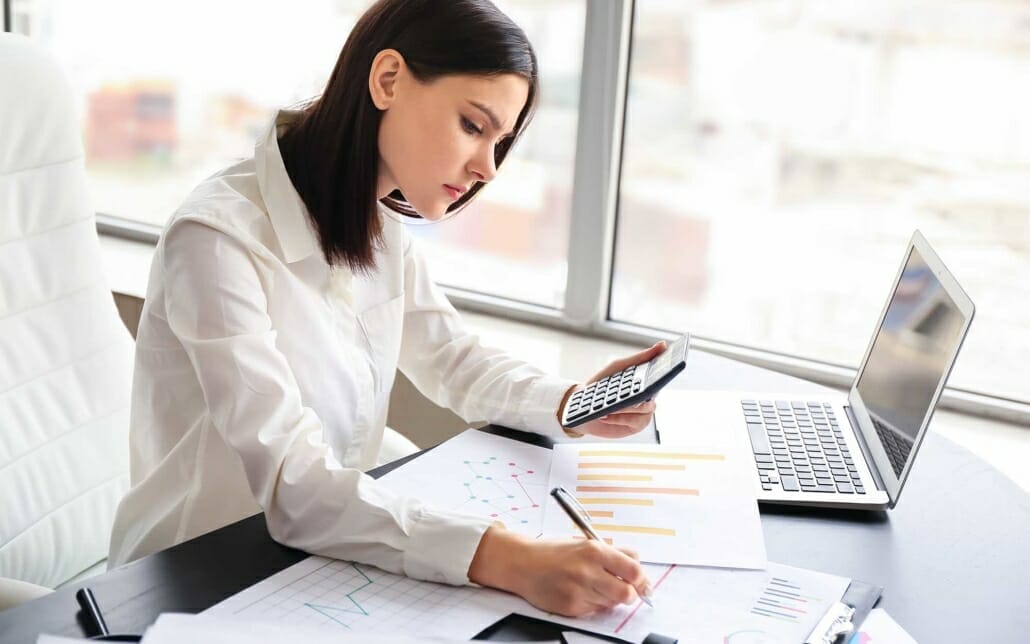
pixel 579 517
pixel 89 606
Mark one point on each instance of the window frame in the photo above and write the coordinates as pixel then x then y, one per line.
pixel 604 83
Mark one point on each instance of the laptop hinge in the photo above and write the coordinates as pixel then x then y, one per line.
pixel 865 448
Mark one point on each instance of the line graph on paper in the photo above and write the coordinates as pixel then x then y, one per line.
pixel 480 474
pixel 345 596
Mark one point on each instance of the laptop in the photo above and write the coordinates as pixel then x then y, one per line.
pixel 855 450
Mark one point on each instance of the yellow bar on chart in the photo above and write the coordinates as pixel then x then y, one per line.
pixel 610 501
pixel 632 466
pixel 604 514
pixel 676 455
pixel 637 490
pixel 614 477
pixel 639 529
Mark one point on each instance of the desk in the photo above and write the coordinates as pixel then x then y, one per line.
pixel 953 557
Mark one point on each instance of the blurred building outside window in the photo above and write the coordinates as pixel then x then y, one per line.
pixel 173 92
pixel 779 154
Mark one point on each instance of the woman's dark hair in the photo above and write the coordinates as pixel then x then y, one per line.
pixel 331 151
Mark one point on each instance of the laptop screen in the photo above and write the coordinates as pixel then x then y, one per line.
pixel 911 354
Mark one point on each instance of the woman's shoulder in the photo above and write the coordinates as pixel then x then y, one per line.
pixel 228 202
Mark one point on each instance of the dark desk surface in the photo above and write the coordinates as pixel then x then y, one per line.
pixel 954 556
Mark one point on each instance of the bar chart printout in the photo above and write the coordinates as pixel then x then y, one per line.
pixel 671 505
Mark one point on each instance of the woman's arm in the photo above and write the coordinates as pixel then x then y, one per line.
pixel 217 308
pixel 450 366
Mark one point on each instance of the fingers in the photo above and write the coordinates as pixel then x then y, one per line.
pixel 624 563
pixel 608 587
pixel 623 422
pixel 611 430
pixel 637 358
pixel 646 408
pixel 642 356
pixel 629 552
pixel 611 591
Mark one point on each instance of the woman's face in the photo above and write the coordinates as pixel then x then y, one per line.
pixel 437 139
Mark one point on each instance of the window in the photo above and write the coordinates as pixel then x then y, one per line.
pixel 778 156
pixel 173 92
pixel 773 159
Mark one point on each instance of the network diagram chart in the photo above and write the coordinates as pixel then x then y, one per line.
pixel 482 475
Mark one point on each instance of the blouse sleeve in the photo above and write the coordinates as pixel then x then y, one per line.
pixel 451 367
pixel 217 308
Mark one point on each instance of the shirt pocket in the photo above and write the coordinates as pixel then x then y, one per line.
pixel 382 325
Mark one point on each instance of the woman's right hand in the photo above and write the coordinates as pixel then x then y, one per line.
pixel 570 577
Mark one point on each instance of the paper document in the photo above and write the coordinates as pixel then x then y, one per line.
pixel 671 505
pixel 779 605
pixel 346 597
pixel 176 628
pixel 480 474
pixel 880 628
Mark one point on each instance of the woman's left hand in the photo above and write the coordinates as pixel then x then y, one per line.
pixel 626 421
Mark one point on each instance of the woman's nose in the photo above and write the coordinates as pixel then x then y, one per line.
pixel 483 167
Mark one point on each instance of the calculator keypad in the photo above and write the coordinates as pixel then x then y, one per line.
pixel 600 395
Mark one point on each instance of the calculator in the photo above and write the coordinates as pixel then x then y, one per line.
pixel 634 384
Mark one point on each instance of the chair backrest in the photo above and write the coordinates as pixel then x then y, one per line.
pixel 65 356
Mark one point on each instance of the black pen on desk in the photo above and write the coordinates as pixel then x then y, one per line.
pixel 92 611
pixel 566 501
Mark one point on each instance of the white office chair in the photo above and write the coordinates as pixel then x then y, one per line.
pixel 65 356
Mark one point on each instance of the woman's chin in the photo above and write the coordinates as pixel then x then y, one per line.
pixel 434 212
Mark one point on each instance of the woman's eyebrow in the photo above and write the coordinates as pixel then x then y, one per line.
pixel 494 121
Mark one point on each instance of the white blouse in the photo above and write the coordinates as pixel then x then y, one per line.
pixel 262 378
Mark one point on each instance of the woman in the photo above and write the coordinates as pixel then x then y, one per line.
pixel 282 300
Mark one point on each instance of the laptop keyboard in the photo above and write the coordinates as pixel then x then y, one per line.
pixel 799 447
pixel 896 447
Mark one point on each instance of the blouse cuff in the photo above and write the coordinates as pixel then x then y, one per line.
pixel 539 408
pixel 442 546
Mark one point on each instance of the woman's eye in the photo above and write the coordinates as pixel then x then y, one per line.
pixel 470 127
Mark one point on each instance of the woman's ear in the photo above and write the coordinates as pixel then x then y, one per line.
pixel 382 78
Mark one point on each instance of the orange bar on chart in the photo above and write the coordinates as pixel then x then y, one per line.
pixel 609 501
pixel 637 490
pixel 676 455
pixel 633 466
pixel 639 529
pixel 604 514
pixel 607 540
pixel 613 477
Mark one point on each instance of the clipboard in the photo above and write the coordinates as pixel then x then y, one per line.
pixel 851 610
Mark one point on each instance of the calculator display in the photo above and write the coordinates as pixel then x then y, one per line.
pixel 664 362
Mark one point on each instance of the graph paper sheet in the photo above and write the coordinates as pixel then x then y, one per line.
pixel 671 505
pixel 779 605
pixel 481 474
pixel 348 597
